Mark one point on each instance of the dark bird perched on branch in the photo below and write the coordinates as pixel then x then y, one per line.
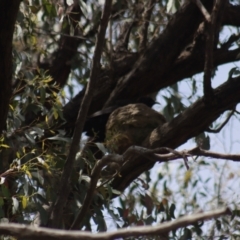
pixel 95 125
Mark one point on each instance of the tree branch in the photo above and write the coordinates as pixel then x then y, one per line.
pixel 144 29
pixel 181 69
pixel 64 184
pixel 223 124
pixel 201 152
pixel 8 15
pixel 162 52
pixel 21 231
pixel 186 125
pixel 203 10
pixel 157 78
pixel 106 160
pixel 230 41
pixel 212 30
pixel 154 155
pixel 231 15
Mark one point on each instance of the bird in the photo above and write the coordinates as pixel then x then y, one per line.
pixel 131 125
pixel 95 124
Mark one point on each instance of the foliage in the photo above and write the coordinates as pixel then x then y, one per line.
pixel 53 46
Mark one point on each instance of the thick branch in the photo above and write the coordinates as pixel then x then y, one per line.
pixel 231 15
pixel 21 231
pixel 161 54
pixel 8 15
pixel 155 79
pixel 186 125
pixel 181 69
pixel 64 184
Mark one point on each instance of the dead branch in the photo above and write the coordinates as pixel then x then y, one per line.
pixel 22 231
pixel 65 180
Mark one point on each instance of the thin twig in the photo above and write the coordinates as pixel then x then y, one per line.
pixel 217 130
pixel 157 155
pixel 230 41
pixel 201 152
pixel 212 28
pixel 144 29
pixel 219 199
pixel 122 43
pixel 82 114
pixel 203 10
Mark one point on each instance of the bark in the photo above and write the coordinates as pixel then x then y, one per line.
pixel 167 61
pixel 194 120
pixel 8 15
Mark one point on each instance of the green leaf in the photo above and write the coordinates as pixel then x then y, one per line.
pixel 83 7
pixel 43 214
pixel 15 205
pixel 218 225
pixel 30 138
pixel 114 191
pixel 161 207
pixel 171 210
pixel 203 141
pixel 5 191
pixel 234 71
pixel 69 2
pixel 187 235
pixel 235 213
pixel 35 9
pixel 50 9
pixel 2 215
pixel 198 230
pixel 173 6
pixel 1 201
pixel 24 202
pixel 42 95
pixel 57 137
